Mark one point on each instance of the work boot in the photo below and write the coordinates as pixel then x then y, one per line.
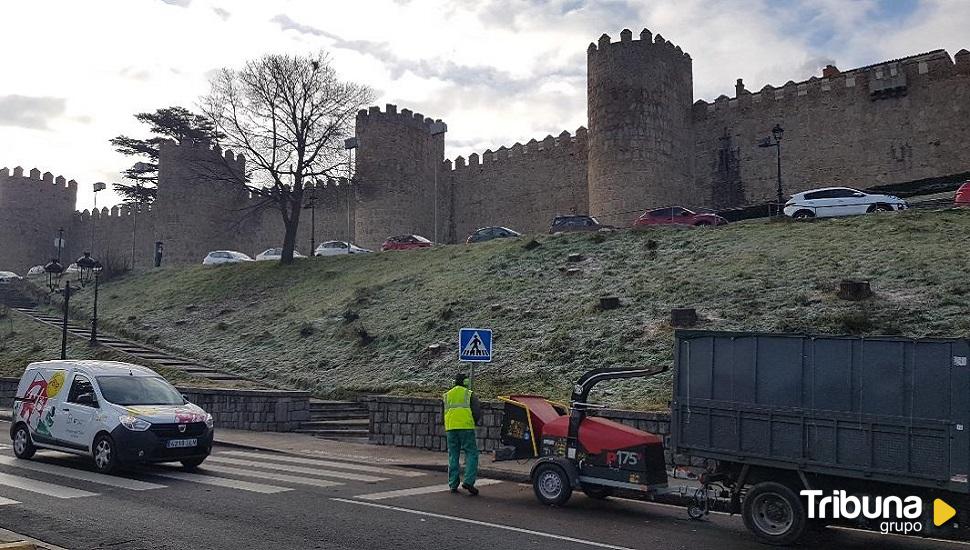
pixel 453 489
pixel 470 488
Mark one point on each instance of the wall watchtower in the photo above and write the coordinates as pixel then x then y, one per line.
pixel 640 139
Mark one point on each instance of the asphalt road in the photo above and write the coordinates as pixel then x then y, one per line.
pixel 253 500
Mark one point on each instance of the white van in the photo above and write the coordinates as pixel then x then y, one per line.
pixel 116 413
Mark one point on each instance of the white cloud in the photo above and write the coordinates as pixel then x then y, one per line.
pixel 498 71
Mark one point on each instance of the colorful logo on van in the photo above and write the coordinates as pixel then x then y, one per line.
pixel 55 384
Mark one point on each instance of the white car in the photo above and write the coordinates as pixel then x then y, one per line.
pixel 275 254
pixel 36 271
pixel 115 413
pixel 220 257
pixel 831 202
pixel 339 248
pixel 9 276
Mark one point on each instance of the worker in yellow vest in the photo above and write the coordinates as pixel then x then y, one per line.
pixel 462 411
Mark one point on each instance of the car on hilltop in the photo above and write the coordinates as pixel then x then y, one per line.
pixel 678 215
pixel 6 276
pixel 222 257
pixel 962 198
pixel 339 248
pixel 275 254
pixel 576 222
pixel 405 242
pixel 490 233
pixel 830 202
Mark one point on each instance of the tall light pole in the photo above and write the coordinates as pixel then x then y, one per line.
pixel 350 144
pixel 98 186
pixel 311 205
pixel 437 129
pixel 777 133
pixel 60 243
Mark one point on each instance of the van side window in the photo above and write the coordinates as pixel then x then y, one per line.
pixel 80 386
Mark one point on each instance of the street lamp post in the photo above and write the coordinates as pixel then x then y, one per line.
pixel 55 271
pixel 60 243
pixel 350 144
pixel 99 186
pixel 437 129
pixel 777 133
pixel 94 318
pixel 311 205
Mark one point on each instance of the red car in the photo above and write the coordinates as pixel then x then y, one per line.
pixel 677 215
pixel 963 195
pixel 405 242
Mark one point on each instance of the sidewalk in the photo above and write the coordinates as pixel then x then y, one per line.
pixel 15 541
pixel 405 457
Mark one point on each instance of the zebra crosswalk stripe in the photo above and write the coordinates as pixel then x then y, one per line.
pixel 271 475
pixel 49 489
pixel 221 482
pixel 325 463
pixel 92 477
pixel 319 472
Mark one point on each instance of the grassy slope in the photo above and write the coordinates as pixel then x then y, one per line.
pixel 304 325
pixel 23 341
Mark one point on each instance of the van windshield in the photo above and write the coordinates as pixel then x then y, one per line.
pixel 139 390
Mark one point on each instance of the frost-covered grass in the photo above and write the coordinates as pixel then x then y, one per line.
pixel 343 325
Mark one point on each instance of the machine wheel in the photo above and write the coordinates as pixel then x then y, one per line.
pixel 803 215
pixel 695 510
pixel 103 453
pixel 551 485
pixel 192 463
pixel 23 447
pixel 774 513
pixel 597 492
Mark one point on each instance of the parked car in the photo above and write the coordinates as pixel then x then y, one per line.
pixel 577 223
pixel 275 254
pixel 405 242
pixel 36 271
pixel 9 276
pixel 831 202
pixel 489 233
pixel 115 413
pixel 338 248
pixel 678 215
pixel 219 257
pixel 962 197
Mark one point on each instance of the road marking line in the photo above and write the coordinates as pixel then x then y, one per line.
pixel 327 463
pixel 43 488
pixel 6 501
pixel 483 524
pixel 271 475
pixel 82 475
pixel 222 482
pixel 439 488
pixel 297 470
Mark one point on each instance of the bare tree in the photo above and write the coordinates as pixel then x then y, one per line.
pixel 289 115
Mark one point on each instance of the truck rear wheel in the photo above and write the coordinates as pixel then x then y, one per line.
pixel 551 485
pixel 774 513
pixel 23 447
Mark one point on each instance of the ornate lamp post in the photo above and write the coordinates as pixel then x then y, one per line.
pixel 311 205
pixel 777 133
pixel 97 268
pixel 55 271
pixel 85 269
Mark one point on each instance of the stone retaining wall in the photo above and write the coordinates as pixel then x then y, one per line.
pixel 416 422
pixel 257 410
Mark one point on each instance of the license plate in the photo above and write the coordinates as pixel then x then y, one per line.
pixel 179 443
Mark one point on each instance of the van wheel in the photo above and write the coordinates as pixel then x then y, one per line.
pixel 105 459
pixel 192 463
pixel 23 447
pixel 774 513
pixel 551 485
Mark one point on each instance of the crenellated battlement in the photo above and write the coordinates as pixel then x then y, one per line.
pixel 237 161
pixel 35 176
pixel 647 44
pixel 407 117
pixel 870 83
pixel 564 143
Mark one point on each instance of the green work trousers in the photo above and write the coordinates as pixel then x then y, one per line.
pixel 458 441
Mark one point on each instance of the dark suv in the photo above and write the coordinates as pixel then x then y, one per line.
pixel 577 223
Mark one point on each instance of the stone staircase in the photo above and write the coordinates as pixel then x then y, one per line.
pixel 344 420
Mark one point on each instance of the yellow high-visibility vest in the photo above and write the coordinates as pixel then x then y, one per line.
pixel 458 409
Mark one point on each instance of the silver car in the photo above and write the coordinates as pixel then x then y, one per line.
pixel 220 257
pixel 830 202
pixel 339 248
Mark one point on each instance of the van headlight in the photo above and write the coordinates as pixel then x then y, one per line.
pixel 134 424
pixel 209 421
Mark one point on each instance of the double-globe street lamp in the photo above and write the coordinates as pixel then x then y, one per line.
pixel 89 268
pixel 777 133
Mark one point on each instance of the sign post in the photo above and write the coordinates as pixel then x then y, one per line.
pixel 474 346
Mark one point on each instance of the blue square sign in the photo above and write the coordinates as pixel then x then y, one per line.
pixel 475 345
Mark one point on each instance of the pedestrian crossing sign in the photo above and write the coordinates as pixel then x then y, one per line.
pixel 475 345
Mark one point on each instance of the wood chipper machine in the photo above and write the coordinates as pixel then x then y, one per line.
pixel 575 450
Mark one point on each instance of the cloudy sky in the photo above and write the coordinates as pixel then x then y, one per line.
pixel 72 72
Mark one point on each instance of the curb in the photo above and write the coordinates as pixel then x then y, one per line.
pixel 22 545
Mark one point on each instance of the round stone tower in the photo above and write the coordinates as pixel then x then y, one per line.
pixel 640 142
pixel 395 173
